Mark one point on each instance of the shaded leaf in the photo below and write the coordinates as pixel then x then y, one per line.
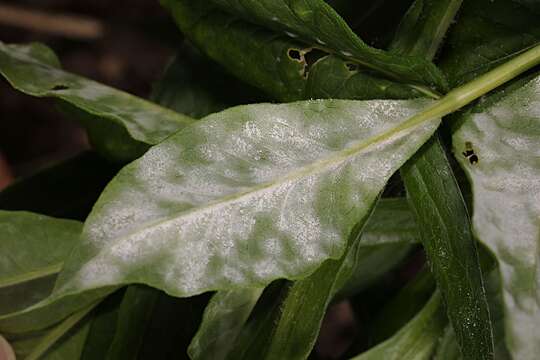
pixel 32 251
pixel 488 33
pixel 416 340
pixel 264 178
pixel 317 24
pixel 68 189
pixel 424 26
pixel 119 124
pixel 135 311
pixel 503 132
pixel 222 321
pixel 194 85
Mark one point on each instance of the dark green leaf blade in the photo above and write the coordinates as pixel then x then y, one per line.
pixel 416 340
pixel 447 238
pixel 486 34
pixel 222 321
pixel 274 154
pixel 317 24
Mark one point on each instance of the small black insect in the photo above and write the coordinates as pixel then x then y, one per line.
pixel 470 154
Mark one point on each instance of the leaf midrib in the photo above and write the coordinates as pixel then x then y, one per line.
pixel 339 156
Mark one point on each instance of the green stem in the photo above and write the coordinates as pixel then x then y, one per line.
pixel 55 334
pixel 471 91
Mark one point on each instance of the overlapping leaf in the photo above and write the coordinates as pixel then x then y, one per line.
pixel 119 124
pixel 28 276
pixel 488 33
pixel 281 64
pixel 503 134
pixel 416 340
pixel 246 196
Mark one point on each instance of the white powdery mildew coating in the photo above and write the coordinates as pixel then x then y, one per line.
pixel 246 196
pixel 506 183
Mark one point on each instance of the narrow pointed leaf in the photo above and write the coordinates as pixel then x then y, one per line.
pixel 503 133
pixel 416 340
pixel 222 321
pixel 438 204
pixel 119 124
pixel 315 23
pixel 245 196
pixel 423 28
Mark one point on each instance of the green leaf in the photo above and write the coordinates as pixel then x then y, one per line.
pixel 32 251
pixel 416 340
pixel 68 189
pixel 448 348
pixel 423 28
pixel 503 133
pixel 29 271
pixel 120 125
pixel 195 86
pixel 103 325
pixel 333 77
pixel 386 239
pixel 486 34
pixel 222 321
pixel 135 311
pixel 305 304
pixel 48 345
pixel 314 23
pixel 438 204
pixel 403 307
pixel 232 200
pixel 446 235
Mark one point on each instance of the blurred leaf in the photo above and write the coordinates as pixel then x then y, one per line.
pixel 68 189
pixel 488 33
pixel 103 325
pixel 503 133
pixel 416 340
pixel 32 251
pixel 424 26
pixel 223 319
pixel 135 311
pixel 403 307
pixel 284 173
pixel 120 125
pixel 195 86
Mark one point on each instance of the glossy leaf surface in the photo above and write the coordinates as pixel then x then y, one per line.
pixel 119 124
pixel 281 187
pixel 503 133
